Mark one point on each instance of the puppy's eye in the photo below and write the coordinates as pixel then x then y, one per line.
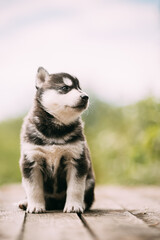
pixel 65 88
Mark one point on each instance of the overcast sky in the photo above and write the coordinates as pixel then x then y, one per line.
pixel 113 47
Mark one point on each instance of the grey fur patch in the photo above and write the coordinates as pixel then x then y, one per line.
pixel 27 167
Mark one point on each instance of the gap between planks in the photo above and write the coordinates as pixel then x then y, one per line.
pixel 20 236
pixel 27 233
pixel 92 233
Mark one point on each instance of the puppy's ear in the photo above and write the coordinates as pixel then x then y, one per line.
pixel 42 77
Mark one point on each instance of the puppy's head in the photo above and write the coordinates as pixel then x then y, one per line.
pixel 60 95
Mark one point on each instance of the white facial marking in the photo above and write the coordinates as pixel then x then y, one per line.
pixel 67 81
pixel 51 98
pixel 62 105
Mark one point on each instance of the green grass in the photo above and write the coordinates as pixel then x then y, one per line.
pixel 124 143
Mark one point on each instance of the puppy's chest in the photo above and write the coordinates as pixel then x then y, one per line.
pixel 53 154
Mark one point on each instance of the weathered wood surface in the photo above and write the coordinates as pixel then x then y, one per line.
pixel 119 213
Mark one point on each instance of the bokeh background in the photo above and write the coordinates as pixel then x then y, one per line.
pixel 113 48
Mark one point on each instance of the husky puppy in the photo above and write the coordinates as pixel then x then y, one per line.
pixel 55 161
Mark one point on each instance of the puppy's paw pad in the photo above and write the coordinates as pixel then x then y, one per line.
pixel 35 209
pixel 23 204
pixel 73 208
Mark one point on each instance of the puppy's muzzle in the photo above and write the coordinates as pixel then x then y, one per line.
pixel 82 104
pixel 84 100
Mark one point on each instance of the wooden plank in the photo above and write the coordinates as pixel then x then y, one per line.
pixel 11 219
pixel 55 225
pixel 11 223
pixel 118 223
pixel 142 202
pixel 10 195
pixel 133 198
pixel 103 202
pixel 152 219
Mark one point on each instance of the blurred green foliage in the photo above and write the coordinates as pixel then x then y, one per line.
pixel 124 143
pixel 9 150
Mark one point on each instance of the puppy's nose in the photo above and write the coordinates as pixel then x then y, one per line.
pixel 84 97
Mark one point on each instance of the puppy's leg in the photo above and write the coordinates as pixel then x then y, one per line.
pixel 33 184
pixel 89 192
pixel 75 191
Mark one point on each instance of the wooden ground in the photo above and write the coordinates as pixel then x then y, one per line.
pixel 119 213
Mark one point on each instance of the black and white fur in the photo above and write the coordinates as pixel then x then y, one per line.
pixel 55 160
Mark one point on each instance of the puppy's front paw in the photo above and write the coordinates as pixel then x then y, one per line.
pixel 73 207
pixel 23 204
pixel 35 208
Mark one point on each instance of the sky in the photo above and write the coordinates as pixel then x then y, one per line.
pixel 111 46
